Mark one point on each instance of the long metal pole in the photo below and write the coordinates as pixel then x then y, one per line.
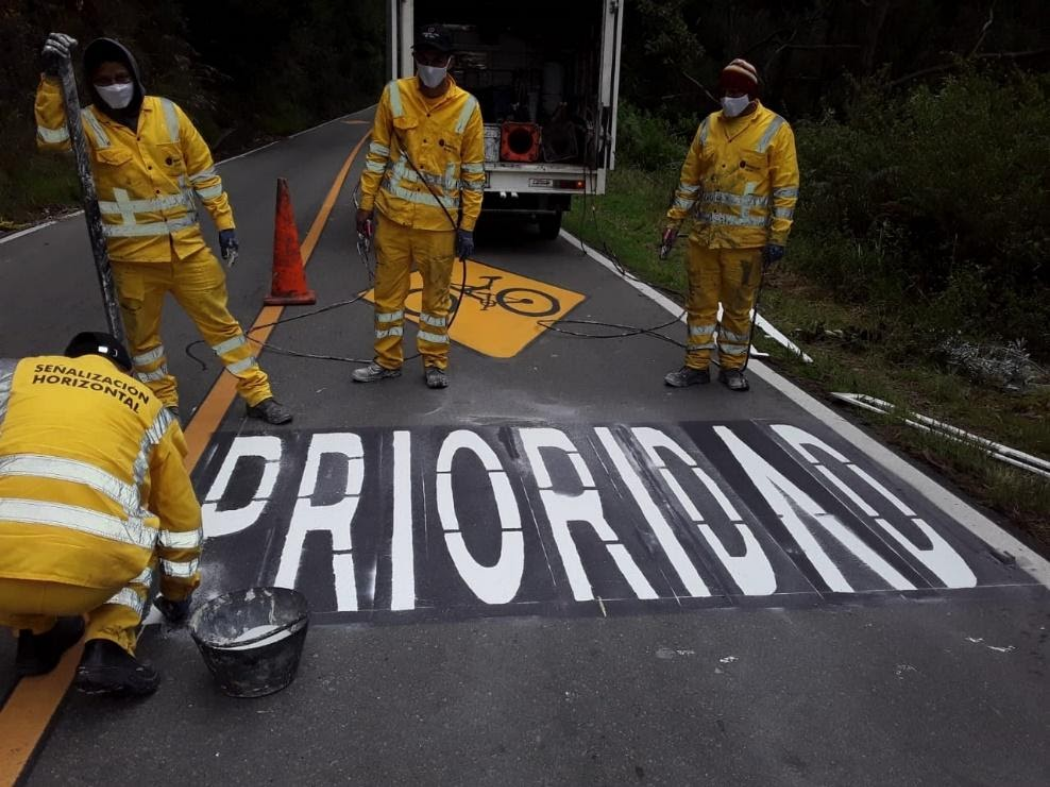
pixel 754 315
pixel 92 214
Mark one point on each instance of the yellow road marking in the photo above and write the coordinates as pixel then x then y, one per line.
pixel 501 312
pixel 32 705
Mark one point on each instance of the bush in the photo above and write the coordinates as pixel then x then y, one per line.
pixel 647 142
pixel 935 204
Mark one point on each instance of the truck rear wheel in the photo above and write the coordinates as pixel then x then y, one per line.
pixel 550 225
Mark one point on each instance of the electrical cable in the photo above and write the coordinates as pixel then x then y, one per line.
pixel 590 209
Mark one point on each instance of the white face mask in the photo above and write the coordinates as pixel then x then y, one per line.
pixel 433 76
pixel 735 106
pixel 116 96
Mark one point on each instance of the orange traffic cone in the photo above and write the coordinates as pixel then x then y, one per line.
pixel 289 286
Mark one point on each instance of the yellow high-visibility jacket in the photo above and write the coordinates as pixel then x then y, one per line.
pixel 92 482
pixel 741 177
pixel 146 180
pixel 445 139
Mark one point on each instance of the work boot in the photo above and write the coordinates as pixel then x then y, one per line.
pixel 733 379
pixel 436 378
pixel 271 411
pixel 173 411
pixel 373 373
pixel 687 376
pixel 38 654
pixel 106 668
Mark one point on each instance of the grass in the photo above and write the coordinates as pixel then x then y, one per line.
pixel 855 349
pixel 39 186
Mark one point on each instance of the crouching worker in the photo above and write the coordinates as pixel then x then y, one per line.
pixel 94 501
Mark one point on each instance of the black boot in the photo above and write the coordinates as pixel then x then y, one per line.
pixel 38 654
pixel 687 376
pixel 271 411
pixel 106 668
pixel 733 379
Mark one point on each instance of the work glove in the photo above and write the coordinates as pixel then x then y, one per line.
pixel 228 243
pixel 771 255
pixel 464 244
pixel 667 241
pixel 174 611
pixel 56 50
pixel 363 217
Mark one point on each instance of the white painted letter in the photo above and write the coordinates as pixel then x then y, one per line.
pixel 788 501
pixel 585 507
pixel 402 552
pixel 940 557
pixel 335 518
pixel 694 585
pixel 497 584
pixel 224 523
pixel 751 571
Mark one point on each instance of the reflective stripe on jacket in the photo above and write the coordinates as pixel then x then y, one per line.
pixel 92 482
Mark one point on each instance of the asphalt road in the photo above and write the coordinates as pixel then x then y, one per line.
pixel 557 571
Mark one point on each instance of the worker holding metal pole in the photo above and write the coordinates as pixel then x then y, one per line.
pixel 741 178
pixel 57 53
pixel 149 165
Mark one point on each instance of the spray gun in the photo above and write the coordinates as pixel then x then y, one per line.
pixel 670 236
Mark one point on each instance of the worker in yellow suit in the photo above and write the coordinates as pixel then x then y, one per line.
pixel 149 164
pixel 94 502
pixel 425 178
pixel 741 179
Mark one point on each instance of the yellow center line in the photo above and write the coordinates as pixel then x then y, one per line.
pixel 29 710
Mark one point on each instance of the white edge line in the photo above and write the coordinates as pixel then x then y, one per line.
pixel 950 503
pixel 28 230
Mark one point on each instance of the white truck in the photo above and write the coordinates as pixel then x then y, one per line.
pixel 547 75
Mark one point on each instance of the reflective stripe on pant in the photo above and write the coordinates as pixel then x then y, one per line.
pixel 198 284
pixel 120 616
pixel 732 277
pixel 432 252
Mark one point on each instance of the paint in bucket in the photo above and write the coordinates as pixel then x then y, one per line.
pixel 252 640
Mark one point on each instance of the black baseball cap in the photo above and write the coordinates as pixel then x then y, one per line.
pixel 434 37
pixel 104 344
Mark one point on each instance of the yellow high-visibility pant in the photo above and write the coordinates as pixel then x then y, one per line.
pixel 729 276
pixel 432 252
pixel 113 613
pixel 198 284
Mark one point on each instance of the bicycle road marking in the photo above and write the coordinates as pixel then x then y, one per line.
pixel 501 313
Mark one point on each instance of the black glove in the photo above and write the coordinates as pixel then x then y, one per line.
pixel 667 241
pixel 228 243
pixel 174 611
pixel 464 244
pixel 56 50
pixel 771 255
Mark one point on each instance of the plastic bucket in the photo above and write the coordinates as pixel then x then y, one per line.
pixel 493 133
pixel 251 640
